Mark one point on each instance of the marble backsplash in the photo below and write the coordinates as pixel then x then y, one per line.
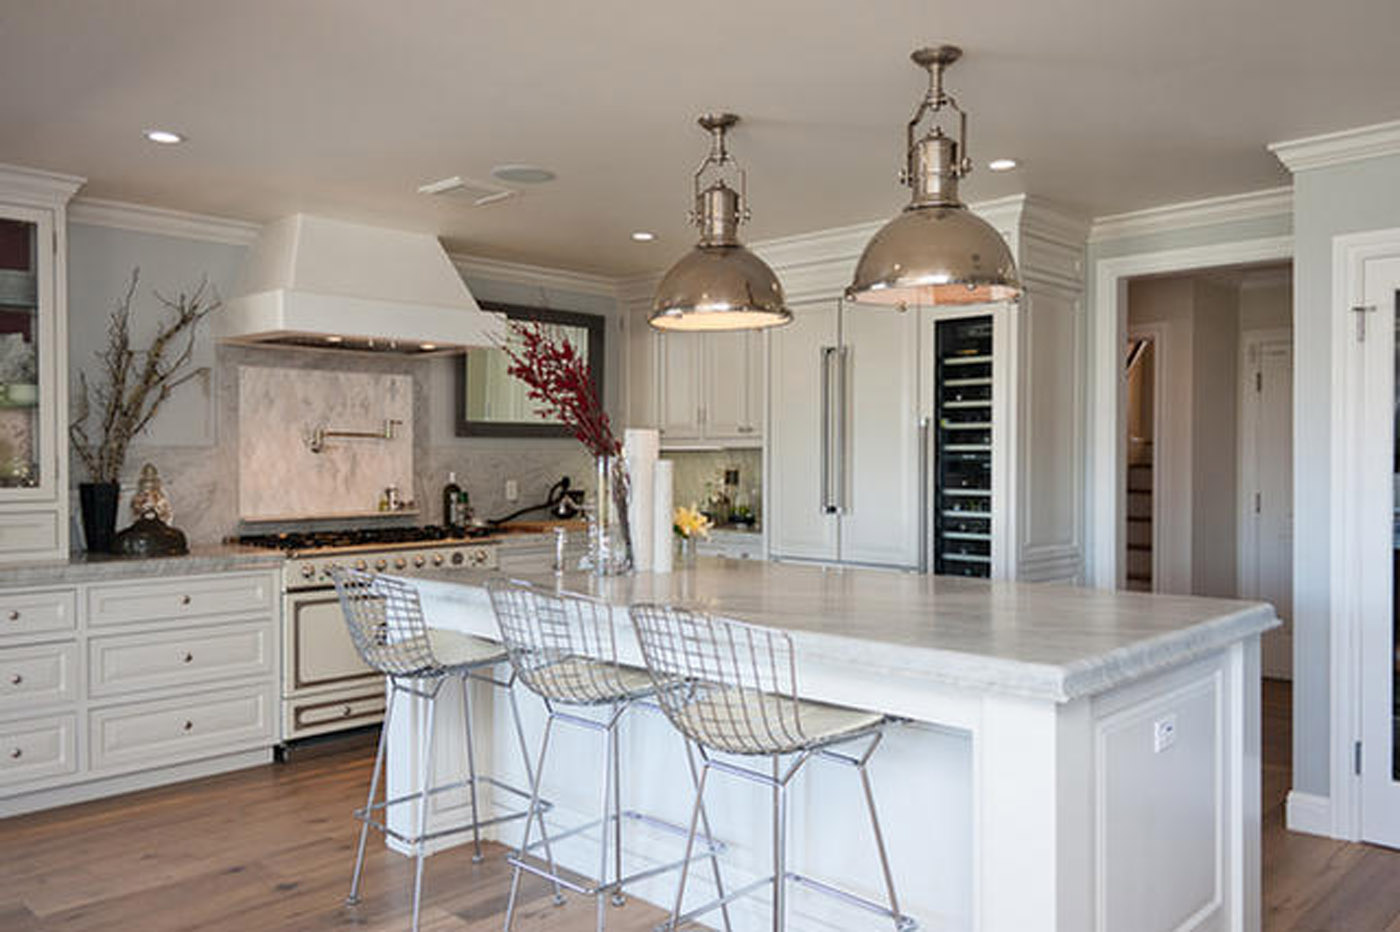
pixel 202 480
pixel 283 473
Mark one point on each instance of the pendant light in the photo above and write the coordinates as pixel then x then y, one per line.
pixel 719 285
pixel 936 252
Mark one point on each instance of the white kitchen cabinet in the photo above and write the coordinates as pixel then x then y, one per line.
pixel 34 390
pixel 114 685
pixel 845 439
pixel 697 389
pixel 848 472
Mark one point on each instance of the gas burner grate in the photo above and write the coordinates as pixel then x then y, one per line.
pixel 359 537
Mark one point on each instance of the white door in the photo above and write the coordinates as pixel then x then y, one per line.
pixel 726 388
pixel 1266 565
pixel 1370 479
pixel 799 523
pixel 880 475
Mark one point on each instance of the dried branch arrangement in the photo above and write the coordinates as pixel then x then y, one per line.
pixel 135 383
pixel 560 380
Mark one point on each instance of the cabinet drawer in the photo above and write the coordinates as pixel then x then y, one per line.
pixel 189 597
pixel 37 612
pixel 27 533
pixel 347 713
pixel 38 747
pixel 123 663
pixel 174 730
pixel 34 676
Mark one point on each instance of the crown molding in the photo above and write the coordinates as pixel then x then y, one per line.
pixel 1349 145
pixel 1231 208
pixel 138 218
pixel 37 188
pixel 538 276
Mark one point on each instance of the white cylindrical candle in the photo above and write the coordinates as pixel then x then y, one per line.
pixel 640 447
pixel 663 550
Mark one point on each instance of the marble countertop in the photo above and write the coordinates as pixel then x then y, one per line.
pixel 83 567
pixel 1036 640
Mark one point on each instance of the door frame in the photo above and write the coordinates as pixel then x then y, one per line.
pixel 1108 408
pixel 1350 255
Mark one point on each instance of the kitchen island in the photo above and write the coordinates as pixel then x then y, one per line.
pixel 1075 759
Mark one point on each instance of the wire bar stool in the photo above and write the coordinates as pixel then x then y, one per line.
pixel 738 696
pixel 564 648
pixel 386 623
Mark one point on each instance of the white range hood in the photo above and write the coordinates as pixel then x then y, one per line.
pixel 316 282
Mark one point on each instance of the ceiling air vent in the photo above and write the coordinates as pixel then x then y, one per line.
pixel 481 193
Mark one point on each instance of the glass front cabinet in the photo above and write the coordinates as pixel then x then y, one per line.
pixel 33 364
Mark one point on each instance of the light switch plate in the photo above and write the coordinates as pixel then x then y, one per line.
pixel 512 490
pixel 1163 733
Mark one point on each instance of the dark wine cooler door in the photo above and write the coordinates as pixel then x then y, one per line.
pixel 963 465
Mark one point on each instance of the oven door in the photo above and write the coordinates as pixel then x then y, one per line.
pixel 319 654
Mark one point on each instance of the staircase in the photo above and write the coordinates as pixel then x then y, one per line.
pixel 1139 575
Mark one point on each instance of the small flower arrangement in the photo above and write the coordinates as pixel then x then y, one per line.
pixel 689 523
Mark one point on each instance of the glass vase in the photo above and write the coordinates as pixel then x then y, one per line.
pixel 687 552
pixel 609 536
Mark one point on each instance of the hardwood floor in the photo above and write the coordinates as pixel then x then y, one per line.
pixel 271 848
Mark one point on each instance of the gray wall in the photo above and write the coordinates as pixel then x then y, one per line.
pixel 193 441
pixel 1327 202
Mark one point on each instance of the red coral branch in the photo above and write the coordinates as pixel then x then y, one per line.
pixel 560 380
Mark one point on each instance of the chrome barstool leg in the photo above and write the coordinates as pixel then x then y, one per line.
pixel 603 827
pixel 709 839
pixel 690 847
pixel 477 856
pixel 530 779
pixel 879 835
pixel 354 896
pixel 425 784
pixel 534 807
pixel 779 850
pixel 618 897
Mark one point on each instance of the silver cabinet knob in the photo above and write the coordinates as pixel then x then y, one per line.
pixel 346 712
pixel 14 614
pixel 17 753
pixel 17 679
pixel 184 600
pixel 188 726
pixel 189 657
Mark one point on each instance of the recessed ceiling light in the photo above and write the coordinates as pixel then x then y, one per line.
pixel 164 136
pixel 427 347
pixel 642 236
pixel 522 174
pixel 1003 165
pixel 334 339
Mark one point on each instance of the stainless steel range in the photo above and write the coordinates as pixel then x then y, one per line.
pixel 325 687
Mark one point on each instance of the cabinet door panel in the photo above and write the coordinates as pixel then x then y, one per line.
pixel 727 387
pixel 680 386
pixel 880 520
pixel 799 528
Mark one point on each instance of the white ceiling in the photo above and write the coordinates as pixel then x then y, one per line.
pixel 344 107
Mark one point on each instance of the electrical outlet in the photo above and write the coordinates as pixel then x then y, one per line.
pixel 512 490
pixel 1163 733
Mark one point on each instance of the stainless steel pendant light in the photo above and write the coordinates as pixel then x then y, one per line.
pixel 719 285
pixel 937 251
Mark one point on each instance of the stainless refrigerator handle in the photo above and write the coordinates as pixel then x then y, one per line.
pixel 925 544
pixel 825 363
pixel 843 355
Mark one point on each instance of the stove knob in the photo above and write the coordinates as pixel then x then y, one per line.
pixel 418 559
pixel 478 557
pixel 381 564
pixel 400 563
pixel 307 571
pixel 457 558
pixel 437 559
pixel 361 565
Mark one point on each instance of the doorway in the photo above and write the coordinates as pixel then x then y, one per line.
pixel 1143 396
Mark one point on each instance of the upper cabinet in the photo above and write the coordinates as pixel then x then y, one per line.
pixel 33 364
pixel 697 389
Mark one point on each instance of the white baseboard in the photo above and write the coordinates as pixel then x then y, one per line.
pixel 1309 813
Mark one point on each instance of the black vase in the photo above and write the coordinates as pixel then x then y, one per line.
pixel 99 501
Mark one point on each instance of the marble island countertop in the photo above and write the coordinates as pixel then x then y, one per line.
pixel 1036 640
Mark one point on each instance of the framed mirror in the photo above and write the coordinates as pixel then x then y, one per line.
pixel 492 403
